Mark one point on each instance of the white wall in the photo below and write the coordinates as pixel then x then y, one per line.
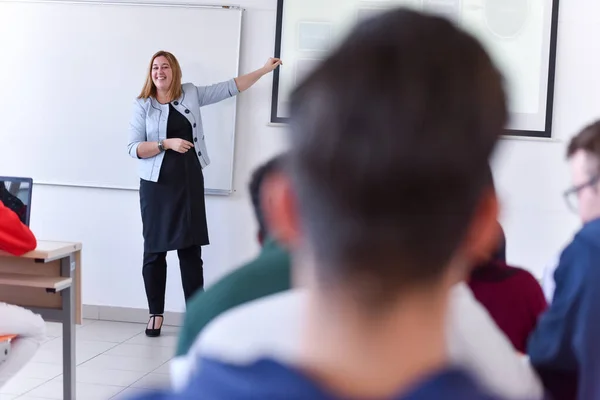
pixel 531 176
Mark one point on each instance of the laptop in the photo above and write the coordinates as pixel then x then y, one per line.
pixel 15 193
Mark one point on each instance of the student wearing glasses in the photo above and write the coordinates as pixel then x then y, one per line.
pixel 565 347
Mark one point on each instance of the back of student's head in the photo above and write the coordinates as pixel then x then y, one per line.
pixel 390 139
pixel 255 187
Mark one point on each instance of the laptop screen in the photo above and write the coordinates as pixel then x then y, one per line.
pixel 15 193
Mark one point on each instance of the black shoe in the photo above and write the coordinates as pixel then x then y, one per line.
pixel 154 332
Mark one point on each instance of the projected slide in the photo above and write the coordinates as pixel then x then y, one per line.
pixel 519 35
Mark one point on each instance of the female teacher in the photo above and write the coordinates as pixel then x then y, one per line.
pixel 166 136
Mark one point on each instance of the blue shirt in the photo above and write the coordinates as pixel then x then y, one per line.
pixel 270 380
pixel 567 338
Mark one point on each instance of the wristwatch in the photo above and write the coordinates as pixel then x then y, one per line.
pixel 160 146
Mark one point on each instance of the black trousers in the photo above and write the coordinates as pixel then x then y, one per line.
pixel 155 276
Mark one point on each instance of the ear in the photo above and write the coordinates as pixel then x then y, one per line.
pixel 484 233
pixel 281 215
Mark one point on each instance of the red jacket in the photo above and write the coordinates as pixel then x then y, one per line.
pixel 15 237
pixel 512 296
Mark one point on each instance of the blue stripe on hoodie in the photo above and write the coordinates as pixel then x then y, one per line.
pixel 270 380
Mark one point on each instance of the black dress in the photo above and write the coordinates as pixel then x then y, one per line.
pixel 173 210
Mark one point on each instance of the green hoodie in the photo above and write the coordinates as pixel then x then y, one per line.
pixel 267 274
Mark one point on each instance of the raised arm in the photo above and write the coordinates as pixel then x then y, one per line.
pixel 244 82
pixel 220 91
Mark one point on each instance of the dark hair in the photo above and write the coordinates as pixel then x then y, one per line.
pixel 390 139
pixel 258 177
pixel 587 140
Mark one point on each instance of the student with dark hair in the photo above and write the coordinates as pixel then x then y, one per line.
pixel 512 295
pixel 565 346
pixel 268 273
pixel 406 108
pixel 475 343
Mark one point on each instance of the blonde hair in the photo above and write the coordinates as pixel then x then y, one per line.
pixel 175 91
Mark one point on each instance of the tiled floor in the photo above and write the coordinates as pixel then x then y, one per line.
pixel 114 361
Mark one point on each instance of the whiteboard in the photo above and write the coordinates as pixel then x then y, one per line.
pixel 519 35
pixel 70 72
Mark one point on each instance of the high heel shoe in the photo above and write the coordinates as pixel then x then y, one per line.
pixel 154 332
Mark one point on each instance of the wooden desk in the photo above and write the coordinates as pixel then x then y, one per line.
pixel 48 282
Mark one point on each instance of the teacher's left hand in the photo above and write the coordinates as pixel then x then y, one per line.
pixel 272 63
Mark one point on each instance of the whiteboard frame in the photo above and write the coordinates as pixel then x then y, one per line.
pixel 130 3
pixel 546 133
pixel 215 192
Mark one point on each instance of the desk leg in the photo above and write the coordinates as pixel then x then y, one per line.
pixel 68 323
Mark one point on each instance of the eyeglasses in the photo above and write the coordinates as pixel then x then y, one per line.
pixel 572 195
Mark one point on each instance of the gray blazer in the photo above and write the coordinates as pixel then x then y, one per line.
pixel 149 122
